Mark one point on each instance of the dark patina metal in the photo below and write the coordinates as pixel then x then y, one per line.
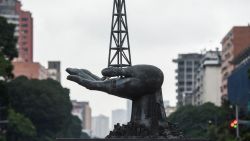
pixel 141 84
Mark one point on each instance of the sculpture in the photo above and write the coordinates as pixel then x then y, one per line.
pixel 141 84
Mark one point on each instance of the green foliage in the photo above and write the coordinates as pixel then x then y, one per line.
pixel 210 122
pixel 195 120
pixel 5 67
pixel 3 101
pixel 20 128
pixel 2 138
pixel 7 39
pixel 47 104
pixel 72 130
pixel 7 48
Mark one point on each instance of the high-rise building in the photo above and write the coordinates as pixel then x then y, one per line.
pixel 233 44
pixel 83 111
pixel 187 66
pixel 119 116
pixel 54 70
pixel 100 126
pixel 129 110
pixel 239 82
pixel 207 81
pixel 25 35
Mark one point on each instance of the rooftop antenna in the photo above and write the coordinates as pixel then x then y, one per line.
pixel 119 48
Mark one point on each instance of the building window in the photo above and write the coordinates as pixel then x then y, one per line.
pixel 189 76
pixel 24 19
pixel 189 69
pixel 24 37
pixel 181 63
pixel 25 49
pixel 227 56
pixel 181 89
pixel 225 76
pixel 24 25
pixel 181 83
pixel 24 31
pixel 189 63
pixel 189 83
pixel 181 69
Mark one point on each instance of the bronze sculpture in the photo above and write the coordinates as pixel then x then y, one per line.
pixel 141 84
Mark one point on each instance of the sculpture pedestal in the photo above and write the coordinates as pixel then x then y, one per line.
pixel 132 140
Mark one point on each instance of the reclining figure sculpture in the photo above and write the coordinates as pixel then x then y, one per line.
pixel 141 84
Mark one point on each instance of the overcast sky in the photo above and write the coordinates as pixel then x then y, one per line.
pixel 77 32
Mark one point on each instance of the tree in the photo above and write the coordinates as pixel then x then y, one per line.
pixel 73 129
pixel 20 128
pixel 47 104
pixel 7 53
pixel 8 49
pixel 194 121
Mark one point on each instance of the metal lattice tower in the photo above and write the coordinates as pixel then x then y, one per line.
pixel 119 48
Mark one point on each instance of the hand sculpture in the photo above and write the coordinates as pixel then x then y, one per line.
pixel 139 83
pixel 133 82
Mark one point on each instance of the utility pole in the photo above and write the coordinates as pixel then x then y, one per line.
pixel 237 118
pixel 119 48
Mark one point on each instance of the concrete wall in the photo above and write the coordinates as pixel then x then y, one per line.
pixel 212 83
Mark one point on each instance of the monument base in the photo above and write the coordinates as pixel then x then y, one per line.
pixel 132 140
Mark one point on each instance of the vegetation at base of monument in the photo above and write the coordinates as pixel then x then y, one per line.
pixel 208 121
pixel 47 104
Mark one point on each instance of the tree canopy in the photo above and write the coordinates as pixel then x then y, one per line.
pixel 47 104
pixel 7 52
pixel 195 120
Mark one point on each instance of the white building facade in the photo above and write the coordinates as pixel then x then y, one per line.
pixel 119 116
pixel 100 126
pixel 208 80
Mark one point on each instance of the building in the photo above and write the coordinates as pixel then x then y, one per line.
pixel 54 70
pixel 207 81
pixel 25 35
pixel 129 110
pixel 30 70
pixel 239 81
pixel 237 40
pixel 100 126
pixel 168 109
pixel 83 111
pixel 119 116
pixel 187 66
pixel 24 65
